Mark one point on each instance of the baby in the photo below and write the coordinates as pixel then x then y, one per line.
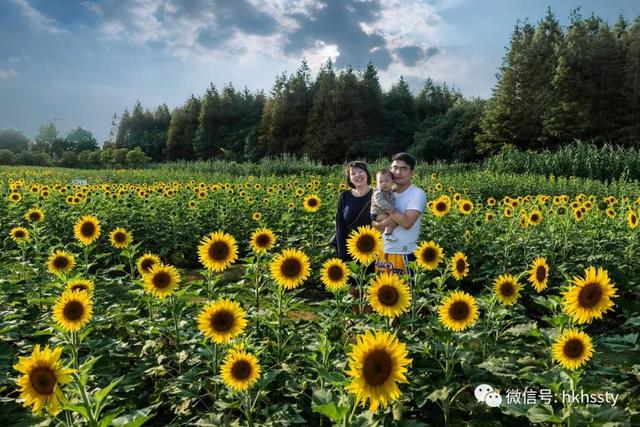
pixel 382 200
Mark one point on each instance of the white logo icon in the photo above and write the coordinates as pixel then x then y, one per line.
pixel 485 393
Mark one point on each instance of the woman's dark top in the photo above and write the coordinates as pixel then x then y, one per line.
pixel 353 212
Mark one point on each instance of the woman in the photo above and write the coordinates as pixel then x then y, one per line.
pixel 354 206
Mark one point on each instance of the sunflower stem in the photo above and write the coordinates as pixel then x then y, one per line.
pixel 174 306
pixel 85 401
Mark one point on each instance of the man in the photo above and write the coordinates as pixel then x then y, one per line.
pixel 409 204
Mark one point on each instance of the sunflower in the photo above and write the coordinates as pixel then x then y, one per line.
pixel 507 289
pixel 590 297
pixel 364 244
pixel 87 229
pixel 507 212
pixel 256 216
pixel 73 310
pixel 465 206
pixel 535 217
pixel 15 197
pixel 458 311
pixel 389 294
pixel 539 274
pixel 377 363
pixel 146 262
pixel 79 284
pixel 290 268
pixel 161 280
pixel 459 265
pixel 34 215
pixel 429 255
pixel 262 240
pixel 335 274
pixel 489 216
pixel 578 215
pixel 120 238
pixel 19 234
pixel 311 203
pixel 222 320
pixel 41 379
pixel 572 349
pixel 440 207
pixel 217 251
pixel 240 369
pixel 632 219
pixel 60 262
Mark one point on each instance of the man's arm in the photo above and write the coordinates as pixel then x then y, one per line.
pixel 405 220
pixel 380 225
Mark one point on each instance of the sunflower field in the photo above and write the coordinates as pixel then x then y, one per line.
pixel 177 297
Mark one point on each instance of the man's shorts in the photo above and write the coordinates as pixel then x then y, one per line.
pixel 396 263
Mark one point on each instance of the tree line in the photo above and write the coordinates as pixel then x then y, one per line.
pixel 555 85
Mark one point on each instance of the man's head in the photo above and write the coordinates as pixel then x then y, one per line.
pixel 402 165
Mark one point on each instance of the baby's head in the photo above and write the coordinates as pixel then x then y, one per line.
pixel 384 179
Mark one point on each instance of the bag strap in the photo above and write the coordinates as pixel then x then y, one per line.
pixel 356 220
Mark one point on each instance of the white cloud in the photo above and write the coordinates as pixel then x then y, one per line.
pixel 7 73
pixel 37 19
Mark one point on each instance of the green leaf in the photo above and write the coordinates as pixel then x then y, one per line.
pixel 78 409
pixel 101 395
pixel 542 413
pixel 324 402
pixel 134 419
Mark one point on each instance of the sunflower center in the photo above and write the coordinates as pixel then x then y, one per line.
pixel 88 229
pixel 459 310
pixel 43 380
pixel 441 206
pixel 291 267
pixel 573 348
pixel 507 289
pixel 219 251
pixel 377 367
pixel 590 295
pixel 60 262
pixel 120 237
pixel 241 370
pixel 335 273
pixel 161 280
pixel 222 321
pixel 34 216
pixel 534 218
pixel 79 287
pixel 461 265
pixel 263 240
pixel 466 207
pixel 541 273
pixel 366 244
pixel 146 264
pixel 429 255
pixel 312 203
pixel 73 310
pixel 388 295
pixel 19 234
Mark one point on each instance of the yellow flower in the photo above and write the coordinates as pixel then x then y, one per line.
pixel 535 217
pixel 73 310
pixel 60 262
pixel 146 261
pixel 539 274
pixel 19 234
pixel 632 219
pixel 34 215
pixel 162 280
pixel 41 379
pixel 440 207
pixel 256 216
pixel 589 297
pixel 429 255
pixel 218 251
pixel 79 284
pixel 364 244
pixel 335 274
pixel 262 240
pixel 389 294
pixel 572 349
pixel 87 229
pixel 459 266
pixel 377 363
pixel 458 311
pixel 311 203
pixel 290 268
pixel 14 197
pixel 507 289
pixel 120 238
pixel 240 369
pixel 465 207
pixel 222 320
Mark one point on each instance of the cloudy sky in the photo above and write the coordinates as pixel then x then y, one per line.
pixel 76 62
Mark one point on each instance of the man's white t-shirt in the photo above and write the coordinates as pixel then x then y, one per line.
pixel 411 198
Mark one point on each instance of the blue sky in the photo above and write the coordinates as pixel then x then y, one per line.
pixel 78 62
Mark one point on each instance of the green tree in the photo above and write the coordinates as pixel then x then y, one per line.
pixel 47 133
pixel 207 137
pixel 400 118
pixel 13 140
pixel 81 140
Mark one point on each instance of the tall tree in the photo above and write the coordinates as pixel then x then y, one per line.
pixel 47 133
pixel 321 141
pixel 400 116
pixel 206 143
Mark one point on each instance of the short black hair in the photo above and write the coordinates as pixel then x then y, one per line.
pixel 385 171
pixel 360 165
pixel 405 157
